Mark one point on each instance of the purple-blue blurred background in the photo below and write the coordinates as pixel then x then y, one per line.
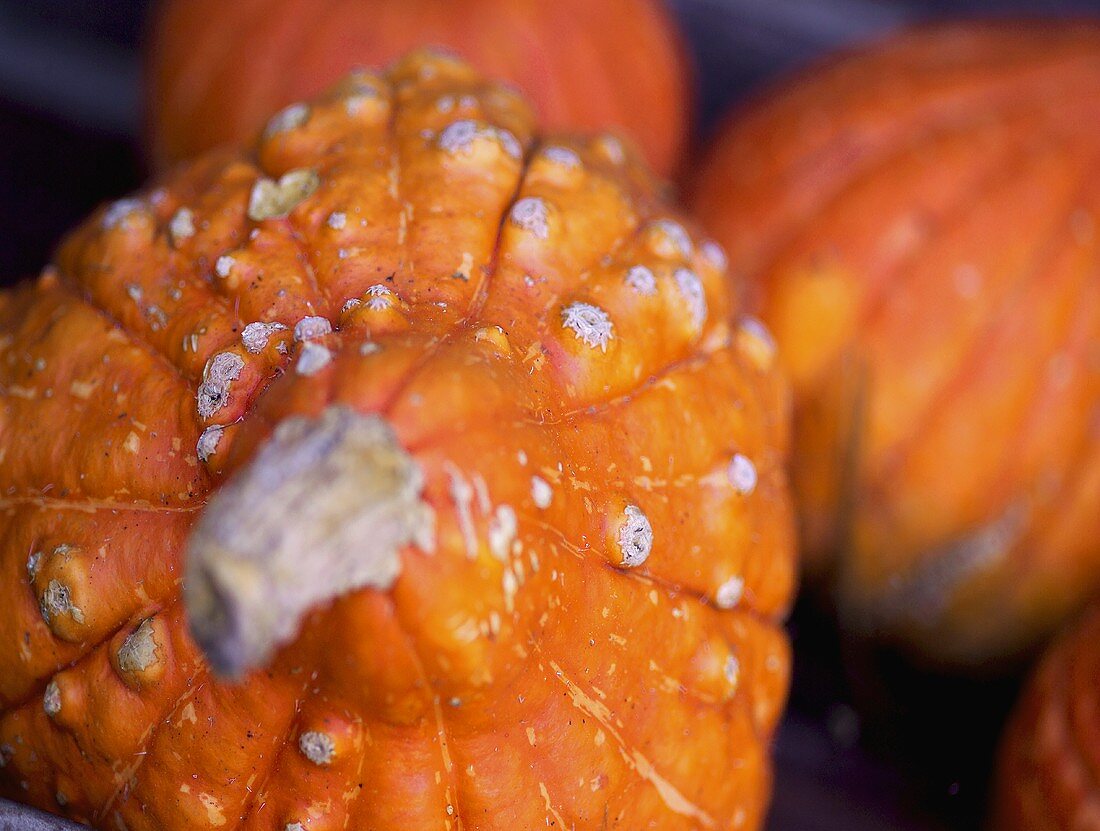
pixel 869 744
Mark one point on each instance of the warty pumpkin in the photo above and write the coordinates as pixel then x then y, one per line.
pixel 916 223
pixel 469 464
pixel 217 70
pixel 1050 757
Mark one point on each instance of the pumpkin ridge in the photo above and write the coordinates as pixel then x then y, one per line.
pixel 211 278
pixel 84 297
pixel 697 361
pixel 795 232
pixel 744 606
pixel 1076 342
pixel 1016 159
pixel 1048 514
pixel 1031 534
pixel 32 701
pixel 292 56
pixel 89 648
pixel 269 29
pixel 1069 749
pixel 446 749
pixel 481 293
pixel 1072 343
pixel 196 72
pixel 1073 708
pixel 86 647
pixel 807 161
pixel 894 457
pixel 668 792
pixel 202 675
pixel 260 785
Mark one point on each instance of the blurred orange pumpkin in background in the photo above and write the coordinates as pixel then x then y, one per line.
pixel 473 467
pixel 917 223
pixel 218 69
pixel 1049 762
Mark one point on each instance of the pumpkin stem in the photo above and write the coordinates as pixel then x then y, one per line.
pixel 324 508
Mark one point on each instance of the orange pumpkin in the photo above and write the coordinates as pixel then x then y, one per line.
pixel 916 220
pixel 470 465
pixel 1049 760
pixel 218 69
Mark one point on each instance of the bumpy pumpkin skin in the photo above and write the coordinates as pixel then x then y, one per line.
pixel 517 673
pixel 916 221
pixel 1050 757
pixel 217 70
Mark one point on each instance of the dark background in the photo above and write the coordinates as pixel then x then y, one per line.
pixel 847 760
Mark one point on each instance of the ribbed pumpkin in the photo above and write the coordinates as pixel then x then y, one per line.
pixel 1050 757
pixel 470 466
pixel 218 69
pixel 917 222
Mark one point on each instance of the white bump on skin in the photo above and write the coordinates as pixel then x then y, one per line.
pixel 288 118
pixel 33 562
pixel 692 290
pixel 181 225
pixel 255 336
pixel 641 279
pixel 381 297
pixel 759 331
pixel 57 601
pixel 272 200
pixel 462 495
pixel 51 699
pixel 590 324
pixel 337 220
pixel 732 670
pixel 541 492
pixel 311 327
pixel 715 255
pixel 670 239
pixel 139 651
pixel 318 747
pixel 120 210
pixel 313 358
pixel 612 148
pixel 729 593
pixel 223 265
pixel 294 826
pixel 466 267
pixel 220 372
pixel 562 155
pixel 207 445
pixel 369 348
pixel 531 215
pixel 635 537
pixel 502 531
pixel 742 474
pixel 351 303
pixel 460 136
